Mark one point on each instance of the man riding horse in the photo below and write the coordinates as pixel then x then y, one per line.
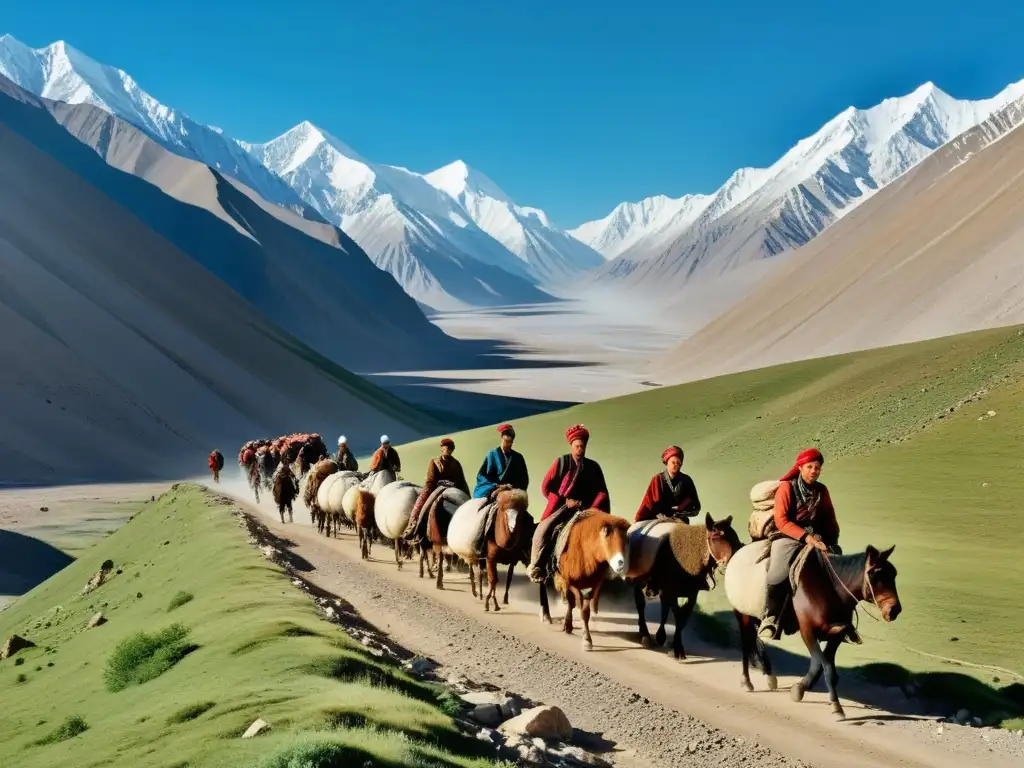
pixel 386 457
pixel 345 460
pixel 501 466
pixel 441 469
pixel 803 515
pixel 670 493
pixel 572 483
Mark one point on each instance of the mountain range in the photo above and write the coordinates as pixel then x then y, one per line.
pixel 451 238
pixel 133 339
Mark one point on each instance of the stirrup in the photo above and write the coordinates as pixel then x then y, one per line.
pixel 772 627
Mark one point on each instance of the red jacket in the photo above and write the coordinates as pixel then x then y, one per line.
pixel 791 520
pixel 589 488
pixel 659 499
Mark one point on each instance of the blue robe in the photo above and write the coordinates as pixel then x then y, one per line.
pixel 496 470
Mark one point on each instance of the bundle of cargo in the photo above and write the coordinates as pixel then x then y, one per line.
pixel 762 500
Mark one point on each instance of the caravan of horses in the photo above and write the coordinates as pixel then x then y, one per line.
pixel 791 578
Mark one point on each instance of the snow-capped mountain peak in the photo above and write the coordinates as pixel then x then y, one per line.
pixel 629 223
pixel 458 179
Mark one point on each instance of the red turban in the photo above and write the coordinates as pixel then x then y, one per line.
pixel 449 442
pixel 668 453
pixel 577 432
pixel 805 457
pixel 506 429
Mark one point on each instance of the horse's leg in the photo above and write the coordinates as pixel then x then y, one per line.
pixel 832 675
pixel 472 578
pixel 291 517
pixel 423 559
pixel 545 609
pixel 746 648
pixel 398 556
pixel 681 615
pixel 492 583
pixel 570 602
pixel 660 635
pixel 641 620
pixel 800 687
pixel 588 642
pixel 447 563
pixel 280 511
pixel 508 583
pixel 439 554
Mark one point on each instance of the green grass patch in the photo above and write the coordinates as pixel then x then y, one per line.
pixel 190 712
pixel 70 728
pixel 144 657
pixel 943 485
pixel 265 653
pixel 179 600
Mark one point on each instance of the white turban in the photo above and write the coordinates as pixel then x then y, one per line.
pixel 342 440
pixel 384 439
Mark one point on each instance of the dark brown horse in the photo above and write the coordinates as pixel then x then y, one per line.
pixel 828 591
pixel 286 489
pixel 508 543
pixel 598 544
pixel 684 565
pixel 436 540
pixel 366 527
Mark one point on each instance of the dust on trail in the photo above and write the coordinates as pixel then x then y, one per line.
pixel 691 714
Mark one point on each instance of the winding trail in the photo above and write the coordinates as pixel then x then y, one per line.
pixel 688 714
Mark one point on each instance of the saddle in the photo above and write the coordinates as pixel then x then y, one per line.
pixel 558 538
pixel 417 529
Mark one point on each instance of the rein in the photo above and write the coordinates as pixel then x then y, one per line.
pixel 856 601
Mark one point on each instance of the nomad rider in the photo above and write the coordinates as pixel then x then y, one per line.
pixel 572 483
pixel 443 468
pixel 345 460
pixel 501 466
pixel 670 493
pixel 386 457
pixel 803 515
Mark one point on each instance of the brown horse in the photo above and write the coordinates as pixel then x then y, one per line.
pixel 314 479
pixel 686 560
pixel 365 523
pixel 436 540
pixel 598 543
pixel 286 489
pixel 828 590
pixel 508 543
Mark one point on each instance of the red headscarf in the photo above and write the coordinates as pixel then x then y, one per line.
pixel 668 453
pixel 449 442
pixel 577 432
pixel 506 429
pixel 805 457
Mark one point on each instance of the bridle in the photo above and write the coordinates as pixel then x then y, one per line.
pixel 867 582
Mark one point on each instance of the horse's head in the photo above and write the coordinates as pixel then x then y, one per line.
pixel 880 576
pixel 615 543
pixel 723 541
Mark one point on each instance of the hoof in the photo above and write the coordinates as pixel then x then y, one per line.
pixel 588 645
pixel 837 711
pixel 773 683
pixel 747 686
pixel 496 608
pixel 504 601
pixel 659 637
pixel 796 692
pixel 680 656
pixel 487 608
pixel 645 641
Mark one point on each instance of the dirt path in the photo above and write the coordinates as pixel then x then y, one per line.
pixel 692 714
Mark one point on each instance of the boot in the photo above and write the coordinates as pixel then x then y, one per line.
pixel 774 604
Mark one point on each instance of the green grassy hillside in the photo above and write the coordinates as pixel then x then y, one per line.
pixel 228 640
pixel 912 459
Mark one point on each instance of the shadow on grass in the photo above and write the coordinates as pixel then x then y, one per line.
pixel 270 633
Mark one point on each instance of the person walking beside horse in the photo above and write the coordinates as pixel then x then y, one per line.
pixel 670 493
pixel 501 466
pixel 345 460
pixel 572 483
pixel 803 515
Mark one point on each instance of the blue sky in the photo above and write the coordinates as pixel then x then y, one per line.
pixel 570 106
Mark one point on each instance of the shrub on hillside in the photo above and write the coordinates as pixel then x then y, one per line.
pixel 70 728
pixel 179 600
pixel 143 657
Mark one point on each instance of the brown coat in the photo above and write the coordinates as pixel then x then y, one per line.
pixel 450 470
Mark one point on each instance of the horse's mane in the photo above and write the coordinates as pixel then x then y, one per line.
pixel 849 568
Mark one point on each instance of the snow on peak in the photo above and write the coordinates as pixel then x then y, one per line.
pixel 457 179
pixel 629 223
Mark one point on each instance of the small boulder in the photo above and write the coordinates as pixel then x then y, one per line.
pixel 259 726
pixel 546 722
pixel 963 717
pixel 486 714
pixel 484 697
pixel 96 620
pixel 14 644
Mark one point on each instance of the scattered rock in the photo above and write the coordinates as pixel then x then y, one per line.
pixel 487 714
pixel 44 509
pixel 14 644
pixel 976 722
pixel 546 722
pixel 963 716
pixel 259 726
pixel 484 697
pixel 939 730
pixel 96 621
pixel 419 666
pixel 990 414
pixel 530 754
pixel 330 613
